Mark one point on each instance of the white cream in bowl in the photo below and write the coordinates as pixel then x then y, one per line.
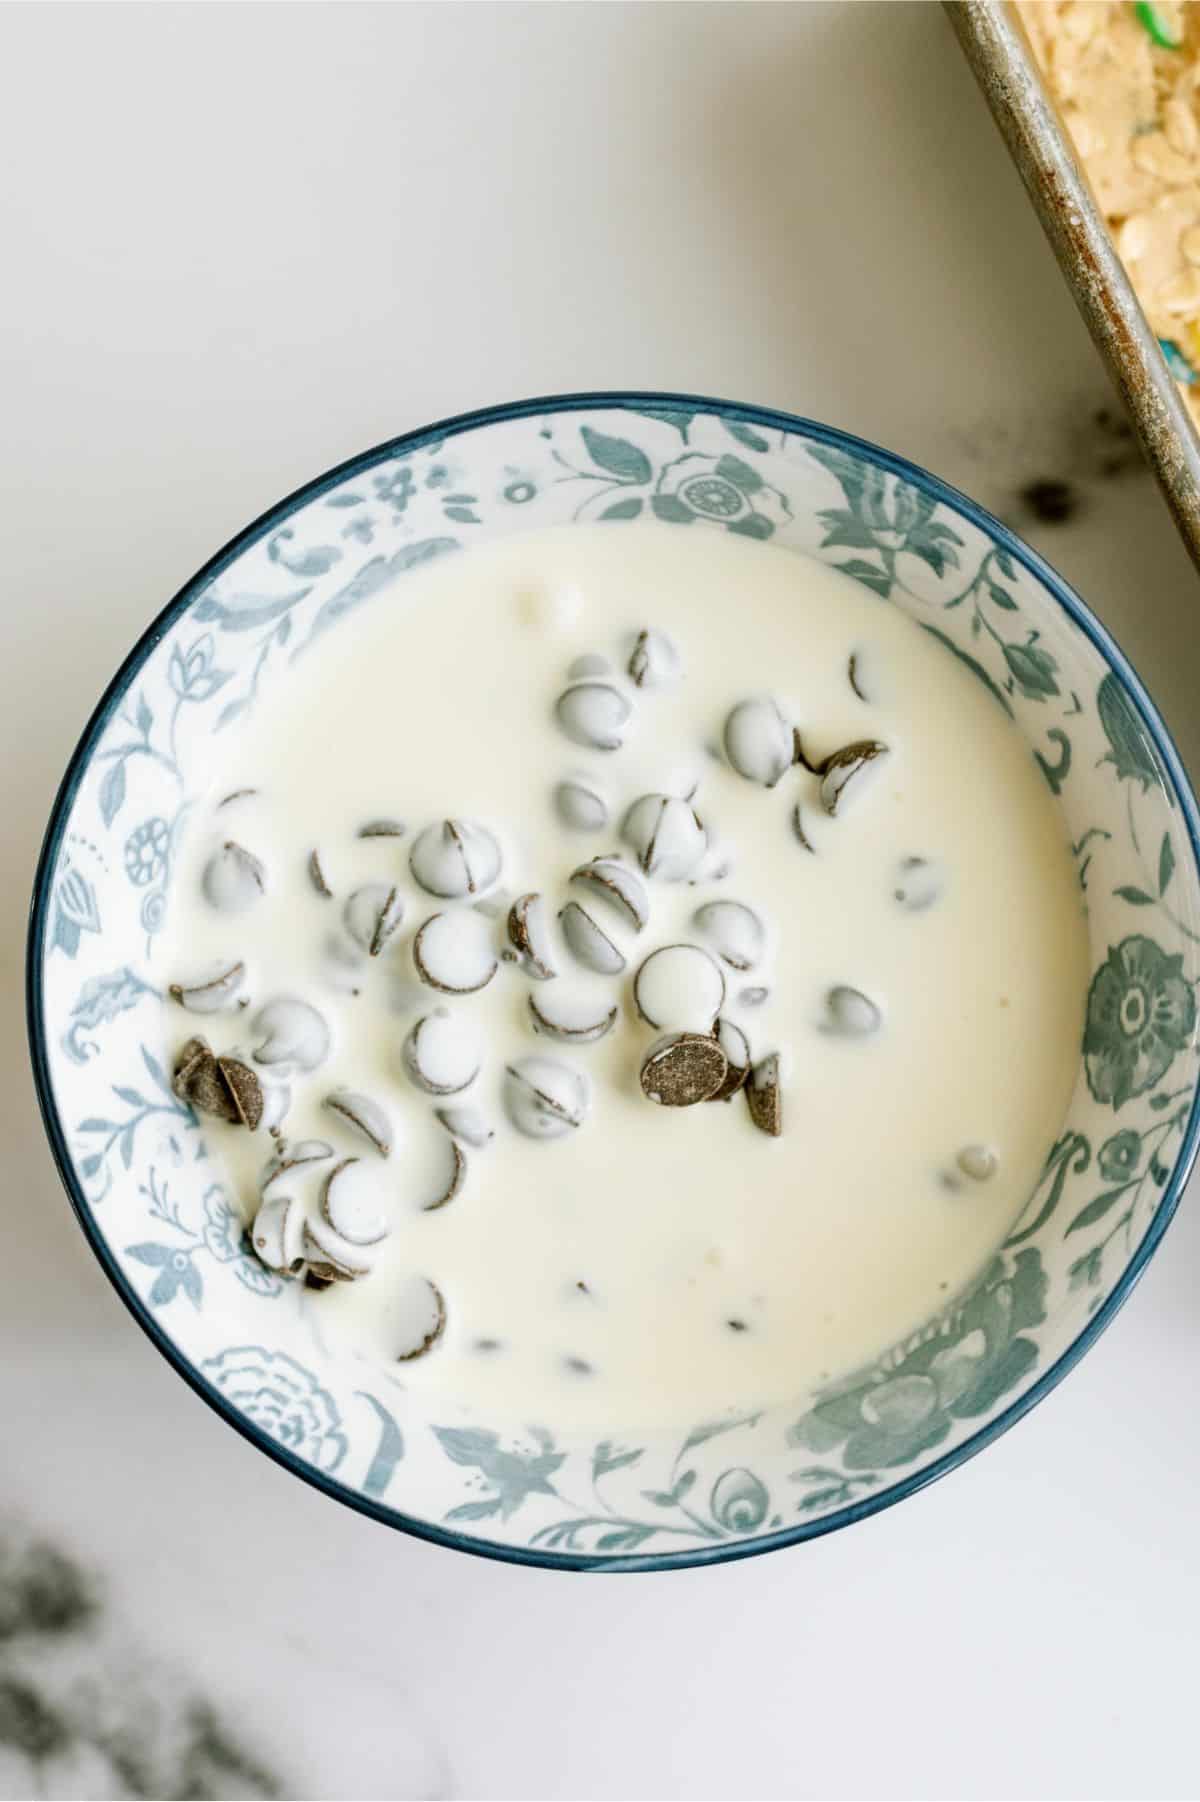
pixel 912 915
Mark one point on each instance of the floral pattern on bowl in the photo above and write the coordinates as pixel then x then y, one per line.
pixel 135 1158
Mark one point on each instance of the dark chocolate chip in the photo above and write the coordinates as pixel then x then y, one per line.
pixel 765 1096
pixel 316 876
pixel 683 1068
pixel 245 1091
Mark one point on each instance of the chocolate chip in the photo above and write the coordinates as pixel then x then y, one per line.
pixel 442 1054
pixel 197 1079
pixel 529 934
pixel 736 1046
pixel 277 1235
pixel 734 931
pixel 666 835
pixel 209 993
pixel 682 1069
pixel 765 1096
pixel 850 1014
pixel 654 662
pixel 613 881
pixel 545 1098
pixel 316 875
pixel 289 1031
pixel 679 986
pixel 452 952
pixel 350 1204
pixel 594 714
pixel 291 1157
pixel 588 943
pixel 575 1022
pixel 759 743
pixel 233 879
pixel 467 1124
pixel 373 915
pixel 245 1090
pixel 450 1175
pixel 455 858
pixel 845 767
pixel 331 1257
pixel 365 1116
pixel 427 1319
pixel 580 806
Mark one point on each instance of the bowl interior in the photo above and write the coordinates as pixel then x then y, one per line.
pixel 135 1159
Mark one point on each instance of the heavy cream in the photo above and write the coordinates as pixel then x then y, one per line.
pixel 834 860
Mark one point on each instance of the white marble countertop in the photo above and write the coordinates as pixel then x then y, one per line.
pixel 240 243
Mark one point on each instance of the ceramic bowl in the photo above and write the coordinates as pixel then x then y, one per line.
pixel 165 1227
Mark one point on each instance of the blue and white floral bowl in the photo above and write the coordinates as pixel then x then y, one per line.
pixel 134 1158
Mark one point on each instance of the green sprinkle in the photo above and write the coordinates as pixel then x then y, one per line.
pixel 1177 363
pixel 1164 23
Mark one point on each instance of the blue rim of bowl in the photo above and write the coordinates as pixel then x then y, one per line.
pixel 635 402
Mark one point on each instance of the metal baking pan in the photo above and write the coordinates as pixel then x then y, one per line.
pixel 1005 67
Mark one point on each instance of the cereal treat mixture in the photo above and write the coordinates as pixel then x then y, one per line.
pixel 1125 78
